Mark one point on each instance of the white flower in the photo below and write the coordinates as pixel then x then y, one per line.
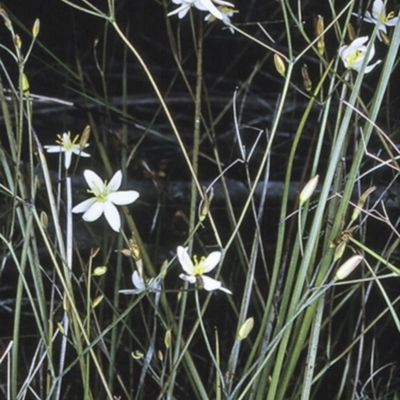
pixel 194 272
pixel 203 5
pixel 65 145
pixel 353 55
pixel 227 13
pixel 379 17
pixel 152 285
pixel 105 198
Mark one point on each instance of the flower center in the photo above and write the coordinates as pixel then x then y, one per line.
pixel 101 194
pixel 199 266
pixel 355 57
pixel 66 143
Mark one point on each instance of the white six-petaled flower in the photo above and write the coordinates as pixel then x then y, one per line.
pixel 67 146
pixel 202 5
pixel 151 285
pixel 106 196
pixel 379 17
pixel 195 271
pixel 353 55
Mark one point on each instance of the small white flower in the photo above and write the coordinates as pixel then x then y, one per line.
pixel 353 55
pixel 195 272
pixel 379 17
pixel 227 13
pixel 106 196
pixel 67 146
pixel 152 285
pixel 202 5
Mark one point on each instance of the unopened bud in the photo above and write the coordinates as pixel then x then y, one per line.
pixel 24 85
pixel 348 267
pixel 339 250
pixel 36 27
pixel 361 202
pixel 306 78
pixel 308 190
pixel 280 64
pixel 7 21
pixel 66 303
pixel 84 137
pixel 160 355
pixel 167 338
pixel 44 220
pixel 319 29
pixel 60 328
pixel 97 300
pixel 246 328
pixel 204 206
pixel 17 41
pixel 99 271
pixel 351 32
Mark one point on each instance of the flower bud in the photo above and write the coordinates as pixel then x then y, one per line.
pixel 84 137
pixel 97 301
pixel 66 303
pixel 99 271
pixel 204 206
pixel 319 29
pixel 339 250
pixel 44 219
pixel 306 78
pixel 348 267
pixel 25 85
pixel 167 338
pixel 308 190
pixel 351 32
pixel 36 27
pixel 246 328
pixel 7 21
pixel 17 41
pixel 280 64
pixel 361 202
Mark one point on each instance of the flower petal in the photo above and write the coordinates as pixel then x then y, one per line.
pixel 94 181
pixel 52 148
pixel 188 278
pixel 94 212
pixel 123 197
pixel 115 182
pixel 83 206
pixel 67 160
pixel 137 281
pixel 185 261
pixel 112 216
pixel 79 152
pixel 211 261
pixel 211 284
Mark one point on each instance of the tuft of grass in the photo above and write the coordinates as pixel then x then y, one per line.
pixel 221 165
